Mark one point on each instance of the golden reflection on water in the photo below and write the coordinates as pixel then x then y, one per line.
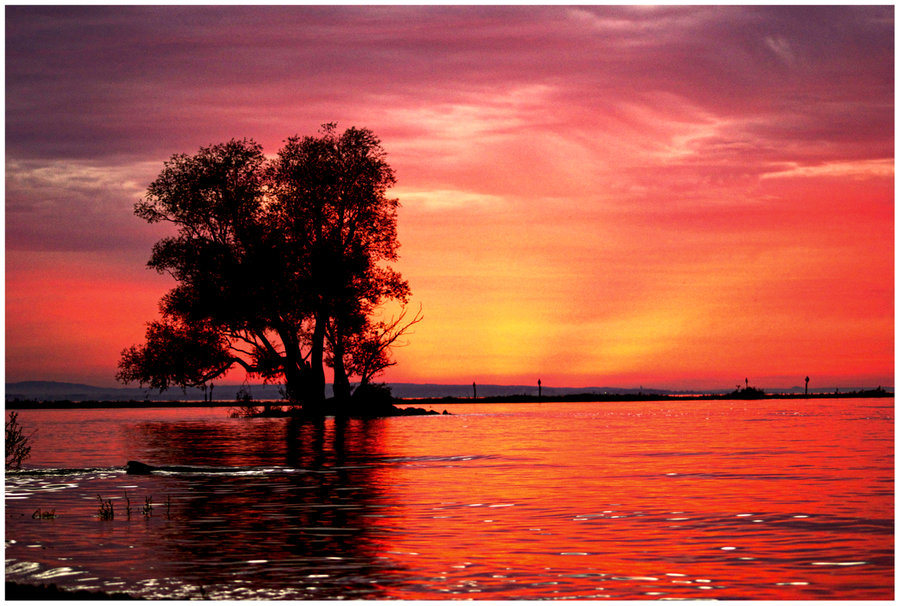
pixel 735 499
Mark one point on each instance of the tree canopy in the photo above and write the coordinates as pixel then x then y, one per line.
pixel 280 264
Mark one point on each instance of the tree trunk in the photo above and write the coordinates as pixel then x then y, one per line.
pixel 293 383
pixel 303 385
pixel 341 381
pixel 296 372
pixel 315 389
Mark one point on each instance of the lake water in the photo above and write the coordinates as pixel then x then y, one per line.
pixel 771 499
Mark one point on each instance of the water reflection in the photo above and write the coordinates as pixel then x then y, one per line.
pixel 581 501
pixel 301 529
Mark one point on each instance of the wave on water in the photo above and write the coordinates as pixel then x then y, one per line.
pixel 138 468
pixel 135 467
pixel 165 470
pixel 61 471
pixel 45 472
pixel 436 458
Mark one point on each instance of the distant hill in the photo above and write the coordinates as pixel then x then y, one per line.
pixel 53 391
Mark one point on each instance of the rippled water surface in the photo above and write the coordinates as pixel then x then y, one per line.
pixel 774 499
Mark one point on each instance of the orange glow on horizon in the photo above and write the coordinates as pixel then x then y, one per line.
pixel 624 298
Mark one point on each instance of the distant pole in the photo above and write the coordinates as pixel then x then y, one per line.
pixel 474 391
pixel 806 389
pixel 539 390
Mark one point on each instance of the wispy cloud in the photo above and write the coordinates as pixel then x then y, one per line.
pixel 75 205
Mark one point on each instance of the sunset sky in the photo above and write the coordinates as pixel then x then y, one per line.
pixel 674 197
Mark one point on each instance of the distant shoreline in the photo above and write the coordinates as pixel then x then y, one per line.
pixel 638 397
pixel 510 399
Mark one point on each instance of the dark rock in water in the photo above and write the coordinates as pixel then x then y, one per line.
pixel 368 411
pixel 415 411
pixel 138 468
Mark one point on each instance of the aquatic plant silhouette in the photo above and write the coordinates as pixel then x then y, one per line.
pixel 40 514
pixel 280 264
pixel 106 511
pixel 18 445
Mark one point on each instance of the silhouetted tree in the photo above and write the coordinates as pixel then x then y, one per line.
pixel 366 352
pixel 279 264
pixel 333 205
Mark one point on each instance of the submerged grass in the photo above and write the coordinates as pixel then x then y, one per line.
pixel 106 511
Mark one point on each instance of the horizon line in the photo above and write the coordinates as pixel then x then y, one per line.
pixel 544 386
